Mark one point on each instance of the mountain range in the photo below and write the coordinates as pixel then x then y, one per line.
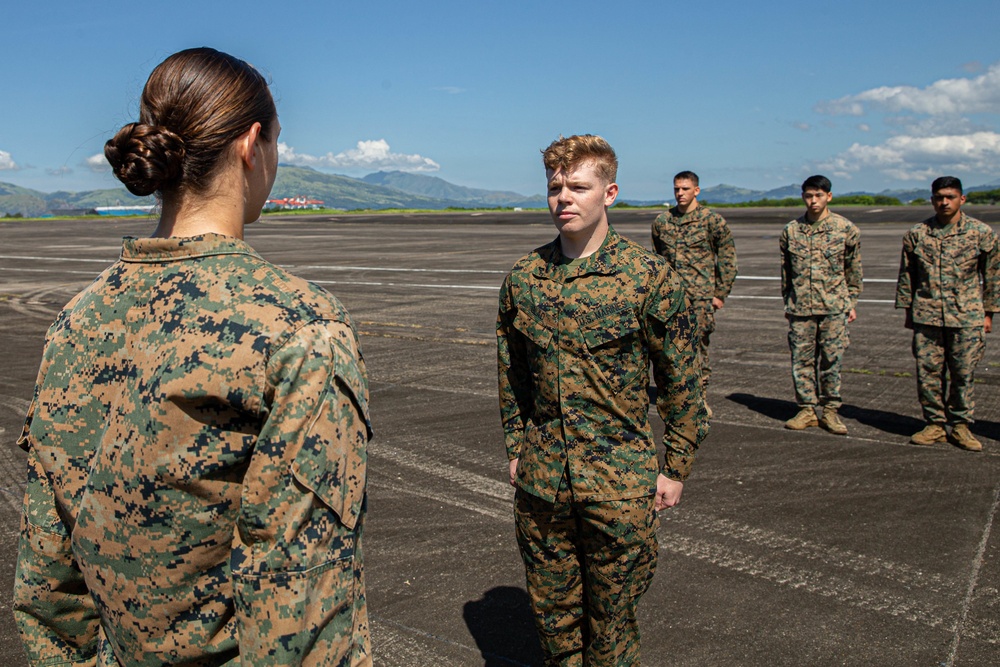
pixel 383 189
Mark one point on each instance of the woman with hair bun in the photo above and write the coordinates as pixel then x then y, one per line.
pixel 197 438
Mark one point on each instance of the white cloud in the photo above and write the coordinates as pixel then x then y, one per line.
pixel 864 127
pixel 451 90
pixel 908 157
pixel 980 94
pixel 367 156
pixel 801 126
pixel 7 162
pixel 97 163
pixel 59 171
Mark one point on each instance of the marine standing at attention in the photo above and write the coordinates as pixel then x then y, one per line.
pixel 949 284
pixel 697 244
pixel 820 285
pixel 579 321
pixel 197 438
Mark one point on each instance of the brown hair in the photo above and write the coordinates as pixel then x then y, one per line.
pixel 194 105
pixel 569 153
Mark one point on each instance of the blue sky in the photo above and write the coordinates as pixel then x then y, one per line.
pixel 873 94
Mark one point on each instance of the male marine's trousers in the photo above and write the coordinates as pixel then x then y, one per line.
pixel 946 359
pixel 704 314
pixel 587 564
pixel 817 343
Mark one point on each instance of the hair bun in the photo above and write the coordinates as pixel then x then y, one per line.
pixel 146 158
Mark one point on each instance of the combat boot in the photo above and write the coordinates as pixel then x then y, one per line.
pixel 929 435
pixel 831 422
pixel 803 420
pixel 961 437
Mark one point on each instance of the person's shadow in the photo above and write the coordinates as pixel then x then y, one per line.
pixel 502 624
pixel 888 422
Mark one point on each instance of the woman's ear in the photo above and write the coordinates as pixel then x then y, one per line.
pixel 246 146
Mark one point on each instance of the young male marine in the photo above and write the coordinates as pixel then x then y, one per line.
pixel 696 242
pixel 820 284
pixel 579 322
pixel 949 284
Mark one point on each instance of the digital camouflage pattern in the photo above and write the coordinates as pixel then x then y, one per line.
pixel 820 265
pixel 700 247
pixel 821 278
pixel 575 341
pixel 949 276
pixel 574 348
pixel 946 360
pixel 619 538
pixel 817 344
pixel 196 479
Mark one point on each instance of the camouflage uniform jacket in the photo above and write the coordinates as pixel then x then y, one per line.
pixel 196 467
pixel 820 265
pixel 574 347
pixel 699 246
pixel 949 276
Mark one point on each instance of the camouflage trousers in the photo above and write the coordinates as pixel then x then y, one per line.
pixel 705 321
pixel 587 564
pixel 946 359
pixel 817 343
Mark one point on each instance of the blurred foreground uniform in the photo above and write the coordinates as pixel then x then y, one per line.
pixel 949 277
pixel 575 340
pixel 699 246
pixel 820 284
pixel 196 468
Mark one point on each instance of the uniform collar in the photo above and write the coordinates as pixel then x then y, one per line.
pixel 176 248
pixel 555 265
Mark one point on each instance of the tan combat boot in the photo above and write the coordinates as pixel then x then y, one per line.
pixel 961 437
pixel 803 420
pixel 929 435
pixel 831 422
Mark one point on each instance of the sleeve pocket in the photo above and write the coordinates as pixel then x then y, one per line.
pixel 333 458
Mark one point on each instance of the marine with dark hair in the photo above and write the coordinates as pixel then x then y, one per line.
pixel 949 285
pixel 697 244
pixel 197 440
pixel 580 320
pixel 820 283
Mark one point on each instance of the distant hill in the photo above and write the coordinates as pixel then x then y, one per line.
pixel 392 189
pixel 345 192
pixel 730 194
pixel 438 188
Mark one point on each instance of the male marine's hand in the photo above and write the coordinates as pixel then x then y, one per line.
pixel 668 492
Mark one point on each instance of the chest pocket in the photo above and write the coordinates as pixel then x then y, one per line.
pixel 962 252
pixel 614 344
pixel 533 329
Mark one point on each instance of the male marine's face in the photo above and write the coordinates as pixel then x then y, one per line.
pixel 685 191
pixel 578 198
pixel 816 201
pixel 947 202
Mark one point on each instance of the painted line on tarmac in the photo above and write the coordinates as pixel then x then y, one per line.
pixel 866 280
pixel 14 268
pixel 32 258
pixel 960 626
pixel 778 298
pixel 333 267
pixel 492 288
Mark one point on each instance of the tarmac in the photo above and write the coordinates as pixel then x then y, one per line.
pixel 788 548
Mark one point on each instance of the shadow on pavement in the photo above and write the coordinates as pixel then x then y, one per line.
pixel 502 625
pixel 772 408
